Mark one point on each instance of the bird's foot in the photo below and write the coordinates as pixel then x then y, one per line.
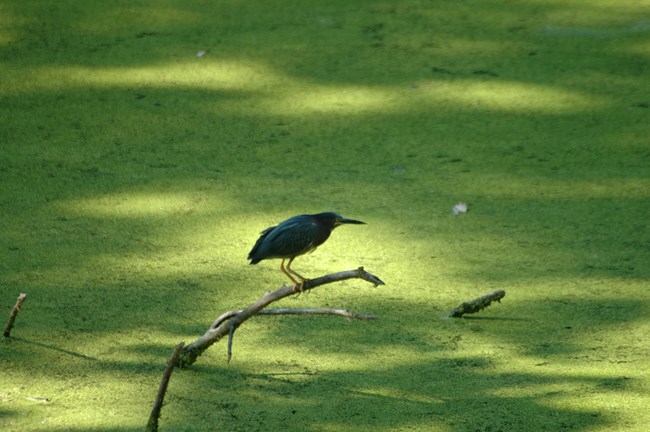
pixel 299 287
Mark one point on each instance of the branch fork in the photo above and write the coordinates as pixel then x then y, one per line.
pixel 228 322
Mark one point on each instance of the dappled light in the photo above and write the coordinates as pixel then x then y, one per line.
pixel 510 186
pixel 218 75
pixel 267 91
pixel 145 146
pixel 139 205
pixel 513 97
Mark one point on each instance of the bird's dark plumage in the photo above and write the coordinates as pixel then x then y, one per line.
pixel 296 236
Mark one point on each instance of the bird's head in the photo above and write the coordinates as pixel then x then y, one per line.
pixel 332 220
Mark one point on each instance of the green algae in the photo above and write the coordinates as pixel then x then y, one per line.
pixel 136 175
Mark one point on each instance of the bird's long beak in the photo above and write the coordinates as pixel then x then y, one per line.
pixel 350 221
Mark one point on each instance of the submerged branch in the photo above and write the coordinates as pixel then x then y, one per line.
pixel 14 314
pixel 476 305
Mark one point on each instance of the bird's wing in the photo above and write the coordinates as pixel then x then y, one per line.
pixel 292 239
pixel 266 231
pixel 253 254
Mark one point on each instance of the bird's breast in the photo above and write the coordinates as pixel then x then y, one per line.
pixel 319 238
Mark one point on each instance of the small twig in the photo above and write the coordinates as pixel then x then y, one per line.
pixel 228 321
pixel 38 399
pixel 286 311
pixel 152 425
pixel 231 334
pixel 476 305
pixel 323 311
pixel 13 314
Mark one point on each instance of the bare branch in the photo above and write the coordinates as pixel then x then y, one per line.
pixel 231 334
pixel 225 317
pixel 322 311
pixel 152 425
pixel 14 314
pixel 227 323
pixel 476 305
pixel 286 311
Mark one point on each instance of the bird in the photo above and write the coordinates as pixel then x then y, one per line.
pixel 296 236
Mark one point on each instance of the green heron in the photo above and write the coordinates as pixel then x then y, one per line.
pixel 296 236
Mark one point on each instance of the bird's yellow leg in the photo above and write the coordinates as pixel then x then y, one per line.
pixel 295 282
pixel 300 285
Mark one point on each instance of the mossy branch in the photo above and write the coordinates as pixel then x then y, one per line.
pixel 476 305
pixel 227 323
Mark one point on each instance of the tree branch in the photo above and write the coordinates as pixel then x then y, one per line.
pixel 14 314
pixel 476 305
pixel 152 425
pixel 227 323
pixel 286 311
pixel 322 311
